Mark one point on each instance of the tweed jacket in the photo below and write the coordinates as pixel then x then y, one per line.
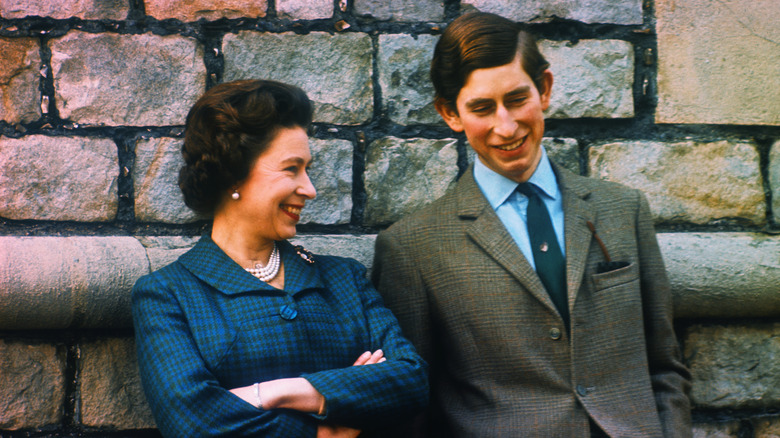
pixel 501 361
pixel 204 325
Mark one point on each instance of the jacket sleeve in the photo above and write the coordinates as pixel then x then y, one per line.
pixel 378 395
pixel 398 280
pixel 184 395
pixel 669 376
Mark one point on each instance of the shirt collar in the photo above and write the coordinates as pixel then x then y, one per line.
pixel 498 188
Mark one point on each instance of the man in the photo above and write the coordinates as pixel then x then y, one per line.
pixel 542 310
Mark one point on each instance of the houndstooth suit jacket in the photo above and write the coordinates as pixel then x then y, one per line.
pixel 502 363
pixel 203 325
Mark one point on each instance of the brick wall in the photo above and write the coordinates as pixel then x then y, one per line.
pixel 678 98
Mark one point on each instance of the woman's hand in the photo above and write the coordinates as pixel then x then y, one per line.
pixel 369 358
pixel 328 431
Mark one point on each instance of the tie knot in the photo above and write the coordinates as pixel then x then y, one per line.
pixel 528 189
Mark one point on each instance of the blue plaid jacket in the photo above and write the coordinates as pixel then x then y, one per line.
pixel 203 325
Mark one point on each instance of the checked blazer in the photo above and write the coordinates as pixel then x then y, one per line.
pixel 204 325
pixel 502 363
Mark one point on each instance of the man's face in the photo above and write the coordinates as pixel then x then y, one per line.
pixel 501 112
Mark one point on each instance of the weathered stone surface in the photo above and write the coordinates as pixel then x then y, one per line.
pixel 304 9
pixel 401 10
pixel 358 247
pixel 111 393
pixel 688 181
pixel 32 384
pixel 723 275
pixel 164 250
pixel 587 11
pixel 564 151
pixel 404 174
pixel 335 71
pixel 331 174
pixel 734 366
pixel 774 179
pixel 768 427
pixel 63 282
pixel 137 80
pixel 62 9
pixel 593 78
pixel 728 429
pixel 38 182
pixel 193 10
pixel 155 181
pixel 703 46
pixel 20 100
pixel 404 63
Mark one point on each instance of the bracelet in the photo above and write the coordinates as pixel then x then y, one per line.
pixel 321 412
pixel 257 395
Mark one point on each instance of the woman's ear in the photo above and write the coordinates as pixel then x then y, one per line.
pixel 449 113
pixel 544 95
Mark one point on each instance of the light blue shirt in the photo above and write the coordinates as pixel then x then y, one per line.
pixel 511 206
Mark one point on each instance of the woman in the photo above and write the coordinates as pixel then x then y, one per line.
pixel 246 335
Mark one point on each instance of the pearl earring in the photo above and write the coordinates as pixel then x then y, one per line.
pixel 235 195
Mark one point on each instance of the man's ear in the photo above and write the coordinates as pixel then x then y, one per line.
pixel 544 95
pixel 449 113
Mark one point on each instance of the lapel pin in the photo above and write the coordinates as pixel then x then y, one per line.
pixel 305 254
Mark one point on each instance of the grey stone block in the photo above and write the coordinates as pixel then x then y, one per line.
pixel 20 100
pixel 331 174
pixel 404 63
pixel 728 275
pixel 155 182
pixel 334 70
pixel 32 385
pixel 110 386
pixel 62 282
pixel 136 80
pixel 593 78
pixel 63 9
pixel 688 181
pixel 304 9
pixel 719 62
pixel 401 10
pixel 734 366
pixel 403 175
pixel 37 182
pixel 587 11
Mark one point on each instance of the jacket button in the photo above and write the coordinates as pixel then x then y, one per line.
pixel 555 333
pixel 288 312
pixel 582 391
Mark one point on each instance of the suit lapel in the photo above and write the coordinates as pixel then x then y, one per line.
pixel 489 233
pixel 577 213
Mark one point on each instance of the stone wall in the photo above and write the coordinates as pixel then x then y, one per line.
pixel 679 98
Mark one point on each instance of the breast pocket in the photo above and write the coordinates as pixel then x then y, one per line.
pixel 607 280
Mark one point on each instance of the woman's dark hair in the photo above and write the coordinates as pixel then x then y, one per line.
pixel 481 40
pixel 228 128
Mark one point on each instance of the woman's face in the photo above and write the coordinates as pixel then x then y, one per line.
pixel 278 186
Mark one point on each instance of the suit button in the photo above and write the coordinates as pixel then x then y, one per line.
pixel 288 312
pixel 555 333
pixel 582 391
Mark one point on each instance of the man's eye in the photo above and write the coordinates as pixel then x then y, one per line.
pixel 516 101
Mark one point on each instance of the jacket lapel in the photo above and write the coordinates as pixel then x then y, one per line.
pixel 489 233
pixel 577 212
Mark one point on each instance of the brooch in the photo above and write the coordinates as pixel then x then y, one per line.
pixel 305 254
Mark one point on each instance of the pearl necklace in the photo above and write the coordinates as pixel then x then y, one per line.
pixel 269 271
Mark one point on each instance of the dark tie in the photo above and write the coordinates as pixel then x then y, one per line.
pixel 550 263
